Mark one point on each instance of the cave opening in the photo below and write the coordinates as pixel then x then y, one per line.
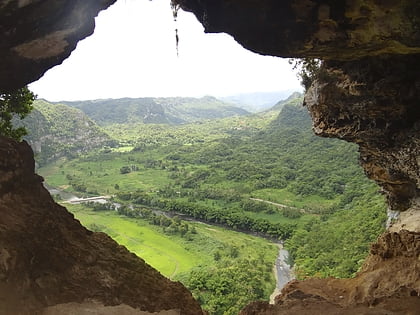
pixel 133 53
pixel 362 85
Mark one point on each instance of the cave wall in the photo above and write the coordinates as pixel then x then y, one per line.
pixel 374 102
pixel 327 29
pixel 36 35
pixel 48 258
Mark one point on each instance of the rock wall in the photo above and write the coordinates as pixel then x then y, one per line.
pixel 389 283
pixel 327 29
pixel 36 35
pixel 47 257
pixel 374 103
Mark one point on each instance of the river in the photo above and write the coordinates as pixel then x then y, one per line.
pixel 282 270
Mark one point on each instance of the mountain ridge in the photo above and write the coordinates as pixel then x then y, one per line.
pixel 57 130
pixel 159 110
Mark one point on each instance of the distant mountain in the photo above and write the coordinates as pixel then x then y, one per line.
pixel 295 98
pixel 56 130
pixel 292 115
pixel 258 101
pixel 173 110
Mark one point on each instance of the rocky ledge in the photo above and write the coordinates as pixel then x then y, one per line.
pixel 48 258
pixel 389 283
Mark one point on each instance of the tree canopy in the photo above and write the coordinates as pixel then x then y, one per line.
pixel 16 103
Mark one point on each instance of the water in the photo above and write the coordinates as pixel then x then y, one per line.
pixel 283 272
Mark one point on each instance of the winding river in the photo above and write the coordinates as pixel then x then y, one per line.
pixel 282 270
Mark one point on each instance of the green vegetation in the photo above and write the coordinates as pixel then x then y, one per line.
pixel 308 70
pixel 162 252
pixel 336 245
pixel 14 104
pixel 224 269
pixel 172 110
pixel 58 130
pixel 265 174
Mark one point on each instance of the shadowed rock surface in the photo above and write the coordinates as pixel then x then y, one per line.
pixel 37 35
pixel 47 257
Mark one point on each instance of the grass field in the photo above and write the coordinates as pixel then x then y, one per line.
pixel 171 254
pixel 160 251
pixel 286 197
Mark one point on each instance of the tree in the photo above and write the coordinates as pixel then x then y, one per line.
pixel 125 170
pixel 16 103
pixel 308 70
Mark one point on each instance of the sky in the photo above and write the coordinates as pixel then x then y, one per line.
pixel 132 53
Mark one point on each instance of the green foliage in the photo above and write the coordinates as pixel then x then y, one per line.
pixel 229 285
pixel 175 110
pixel 209 171
pixel 336 245
pixel 308 70
pixel 225 270
pixel 125 170
pixel 17 103
pixel 57 130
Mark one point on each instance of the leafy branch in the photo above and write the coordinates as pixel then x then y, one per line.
pixel 17 103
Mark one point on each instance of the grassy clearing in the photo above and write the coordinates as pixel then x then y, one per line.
pixel 160 251
pixel 171 254
pixel 283 196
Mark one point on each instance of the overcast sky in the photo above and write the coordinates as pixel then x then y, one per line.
pixel 132 53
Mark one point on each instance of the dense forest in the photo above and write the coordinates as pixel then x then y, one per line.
pixel 264 174
pixel 59 130
pixel 152 110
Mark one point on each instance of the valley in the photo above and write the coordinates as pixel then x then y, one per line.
pixel 263 174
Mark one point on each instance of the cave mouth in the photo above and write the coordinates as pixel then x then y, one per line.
pixel 366 55
pixel 133 53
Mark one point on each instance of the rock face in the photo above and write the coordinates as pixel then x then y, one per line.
pixel 37 35
pixel 389 283
pixel 338 30
pixel 374 103
pixel 48 258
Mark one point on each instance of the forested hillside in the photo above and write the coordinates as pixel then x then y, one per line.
pixel 56 130
pixel 265 174
pixel 257 101
pixel 174 110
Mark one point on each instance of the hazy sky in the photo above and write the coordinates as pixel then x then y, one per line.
pixel 133 54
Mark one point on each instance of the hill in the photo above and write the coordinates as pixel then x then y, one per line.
pixel 265 174
pixel 56 130
pixel 257 101
pixel 173 110
pixel 295 98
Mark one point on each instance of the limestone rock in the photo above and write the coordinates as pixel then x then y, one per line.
pixel 37 35
pixel 338 30
pixel 374 103
pixel 47 257
pixel 389 283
